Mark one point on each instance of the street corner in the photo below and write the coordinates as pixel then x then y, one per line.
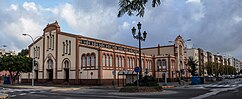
pixel 3 96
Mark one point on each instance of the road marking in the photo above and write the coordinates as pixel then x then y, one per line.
pixel 13 96
pixel 22 94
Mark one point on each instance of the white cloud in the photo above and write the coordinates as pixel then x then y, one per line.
pixel 126 25
pixel 68 14
pixel 29 6
pixel 237 19
pixel 13 7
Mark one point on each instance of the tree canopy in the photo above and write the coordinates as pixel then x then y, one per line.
pixel 138 6
pixel 192 63
pixel 15 65
pixel 23 52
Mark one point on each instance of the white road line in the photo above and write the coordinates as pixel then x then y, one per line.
pixel 22 94
pixel 13 96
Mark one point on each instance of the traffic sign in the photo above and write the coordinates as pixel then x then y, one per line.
pixel 137 69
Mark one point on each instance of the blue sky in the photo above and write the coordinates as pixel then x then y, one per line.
pixel 214 25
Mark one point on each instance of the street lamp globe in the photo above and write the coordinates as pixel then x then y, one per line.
pixel 139 25
pixel 144 34
pixel 133 31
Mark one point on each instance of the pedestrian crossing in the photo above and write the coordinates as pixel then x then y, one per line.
pixel 19 92
pixel 219 85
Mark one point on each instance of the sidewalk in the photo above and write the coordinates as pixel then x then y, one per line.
pixel 3 96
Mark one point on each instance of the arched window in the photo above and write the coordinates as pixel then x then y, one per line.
pixel 83 60
pixel 64 48
pixel 122 60
pixel 107 60
pixel 50 64
pixel 104 59
pixel 116 59
pixel 128 62
pixel 53 42
pixel 48 40
pixel 180 50
pixel 69 47
pixel 132 63
pixel 88 59
pixel 93 60
pixel 66 64
pixel 163 62
pixel 164 66
pixel 159 64
pixel 111 60
pixel 50 45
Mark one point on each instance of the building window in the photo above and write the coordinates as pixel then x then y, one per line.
pixel 122 60
pixel 117 61
pixel 53 42
pixel 69 47
pixel 88 60
pixel 93 60
pixel 128 62
pixel 107 60
pixel 111 60
pixel 34 52
pixel 50 64
pixel 64 45
pixel 104 59
pixel 48 40
pixel 66 64
pixel 50 45
pixel 132 63
pixel 159 64
pixel 83 60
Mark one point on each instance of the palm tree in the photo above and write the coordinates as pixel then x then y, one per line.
pixel 192 63
pixel 131 6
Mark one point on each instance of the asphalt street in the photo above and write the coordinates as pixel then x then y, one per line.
pixel 229 88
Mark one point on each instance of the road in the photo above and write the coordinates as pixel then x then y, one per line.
pixel 229 88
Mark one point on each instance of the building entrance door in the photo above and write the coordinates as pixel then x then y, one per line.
pixel 36 75
pixel 50 72
pixel 67 75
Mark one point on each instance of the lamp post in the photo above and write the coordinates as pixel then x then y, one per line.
pixel 33 58
pixel 140 38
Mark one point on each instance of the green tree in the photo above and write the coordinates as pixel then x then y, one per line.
pixel 192 63
pixel 209 67
pixel 131 6
pixel 15 65
pixel 23 52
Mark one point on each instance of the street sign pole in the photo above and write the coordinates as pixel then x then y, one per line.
pixel 137 79
pixel 137 70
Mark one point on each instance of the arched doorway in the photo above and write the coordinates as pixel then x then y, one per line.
pixel 50 69
pixel 66 70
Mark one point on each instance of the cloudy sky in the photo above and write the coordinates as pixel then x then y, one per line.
pixel 214 25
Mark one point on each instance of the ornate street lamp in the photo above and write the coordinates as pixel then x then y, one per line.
pixel 140 38
pixel 33 57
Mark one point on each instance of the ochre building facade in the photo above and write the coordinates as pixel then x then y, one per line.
pixel 75 59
